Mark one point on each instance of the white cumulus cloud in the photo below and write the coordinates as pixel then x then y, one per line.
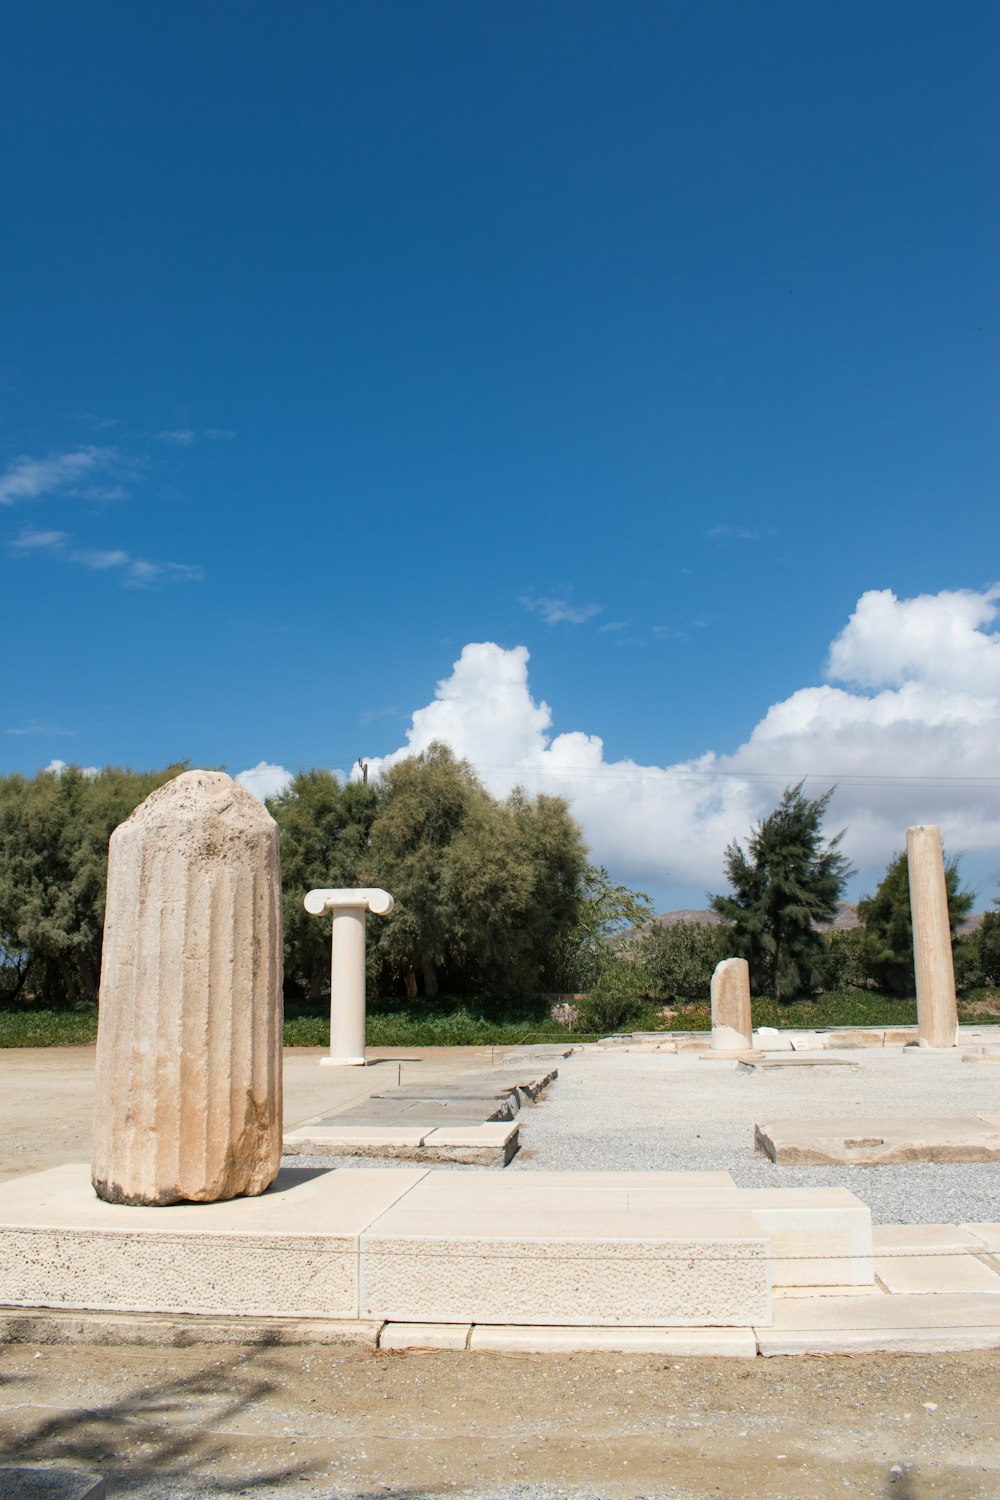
pixel 264 780
pixel 909 736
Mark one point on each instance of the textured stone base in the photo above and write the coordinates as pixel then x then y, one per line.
pixel 407 1245
pixel 292 1252
pixel 567 1248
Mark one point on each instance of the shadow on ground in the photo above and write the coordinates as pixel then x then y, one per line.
pixel 171 1432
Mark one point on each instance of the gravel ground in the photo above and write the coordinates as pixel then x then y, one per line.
pixel 634 1111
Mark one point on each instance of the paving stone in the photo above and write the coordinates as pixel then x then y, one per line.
pixel 871 1325
pixel 424 1336
pixel 988 1234
pixel 798 1061
pixel 924 1275
pixel 923 1239
pixel 738 1343
pixel 878 1141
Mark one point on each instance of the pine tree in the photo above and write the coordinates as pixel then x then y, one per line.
pixel 787 882
pixel 889 927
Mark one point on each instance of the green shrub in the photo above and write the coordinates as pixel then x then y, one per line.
pixel 681 959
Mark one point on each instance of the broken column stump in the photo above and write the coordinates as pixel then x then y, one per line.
pixel 190 1022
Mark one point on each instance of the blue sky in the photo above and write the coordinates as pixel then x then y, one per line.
pixel 652 339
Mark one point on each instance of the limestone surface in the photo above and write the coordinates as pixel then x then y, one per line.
pixel 188 1103
pixel 732 1027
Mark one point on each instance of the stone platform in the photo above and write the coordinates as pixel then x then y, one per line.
pixel 411 1244
pixel 880 1141
pixel 663 1262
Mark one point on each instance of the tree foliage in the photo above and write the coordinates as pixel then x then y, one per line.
pixel 789 881
pixel 888 926
pixel 484 890
pixel 54 832
pixel 681 959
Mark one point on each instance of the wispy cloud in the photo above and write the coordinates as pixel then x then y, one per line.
pixel 179 437
pixel 613 625
pixel 373 715
pixel 29 539
pixel 729 533
pixel 40 729
pixel 219 434
pixel 559 611
pixel 29 478
pixel 136 572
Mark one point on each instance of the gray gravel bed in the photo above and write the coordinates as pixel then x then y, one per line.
pixel 618 1111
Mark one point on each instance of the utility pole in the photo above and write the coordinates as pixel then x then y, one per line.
pixel 364 770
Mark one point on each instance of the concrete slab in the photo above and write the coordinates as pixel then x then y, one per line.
pixel 924 1239
pixel 878 1141
pixel 425 1336
pixel 49 1482
pixel 923 1275
pixel 871 1325
pixel 738 1343
pixel 987 1234
pixel 292 1252
pixel 465 1248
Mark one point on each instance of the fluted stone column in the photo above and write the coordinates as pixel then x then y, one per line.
pixel 190 1023
pixel 347 967
pixel 933 963
pixel 732 1025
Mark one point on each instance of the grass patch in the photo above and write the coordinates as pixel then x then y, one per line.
pixel 451 1021
pixel 27 1027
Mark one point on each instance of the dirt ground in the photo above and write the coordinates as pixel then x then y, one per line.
pixel 335 1421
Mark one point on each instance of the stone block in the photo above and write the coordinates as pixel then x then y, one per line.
pixel 291 1252
pixel 681 1343
pixel 873 1325
pixel 986 1234
pixel 871 1142
pixel 424 1336
pixel 357 1140
pixel 770 1039
pixel 177 1330
pixel 465 1248
pixel 855 1037
pixel 819 1236
pixel 473 1145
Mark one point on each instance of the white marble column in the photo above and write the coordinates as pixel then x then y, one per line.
pixel 933 963
pixel 347 967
